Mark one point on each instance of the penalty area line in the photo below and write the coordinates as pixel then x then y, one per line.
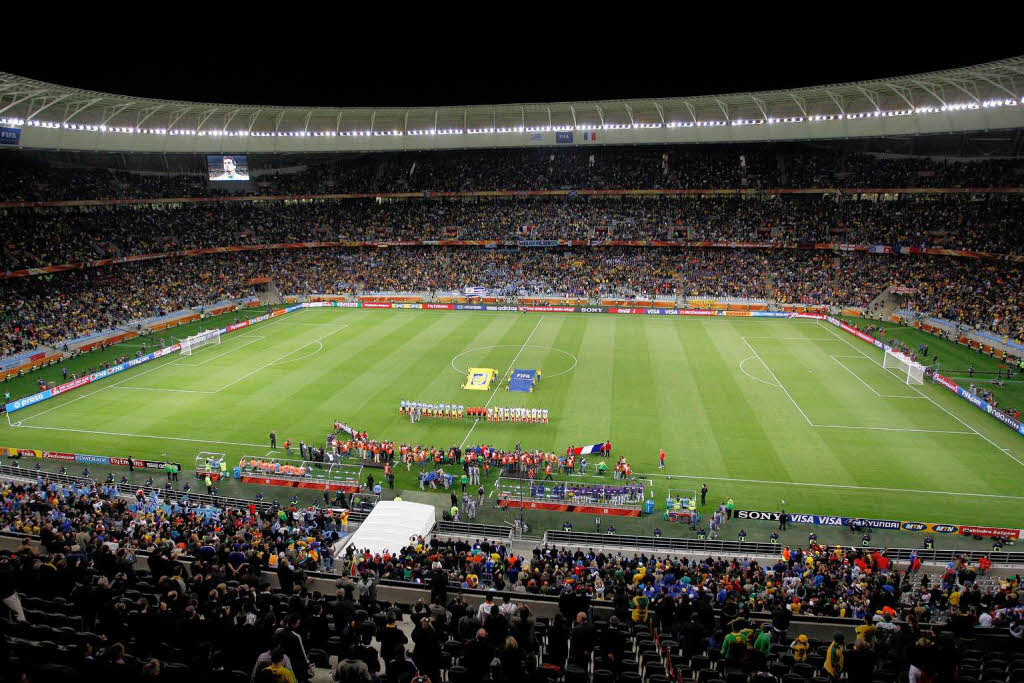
pixel 281 358
pixel 793 400
pixel 831 486
pixel 999 448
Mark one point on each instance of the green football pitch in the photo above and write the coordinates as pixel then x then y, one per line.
pixel 761 410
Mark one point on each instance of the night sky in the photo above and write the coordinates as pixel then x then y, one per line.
pixel 401 67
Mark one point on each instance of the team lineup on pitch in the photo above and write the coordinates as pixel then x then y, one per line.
pixel 751 406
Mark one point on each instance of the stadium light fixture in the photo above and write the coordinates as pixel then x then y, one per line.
pixel 815 118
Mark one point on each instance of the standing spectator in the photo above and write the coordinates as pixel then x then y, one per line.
pixel 734 645
pixel 511 658
pixel 427 654
pixel 583 639
pixel 291 643
pixel 8 593
pixel 392 643
pixel 860 662
pixel 799 648
pixel 835 657
pixel 478 655
pixel 781 618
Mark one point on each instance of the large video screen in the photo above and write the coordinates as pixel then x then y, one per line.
pixel 228 167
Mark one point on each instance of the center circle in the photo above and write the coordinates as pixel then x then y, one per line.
pixel 518 346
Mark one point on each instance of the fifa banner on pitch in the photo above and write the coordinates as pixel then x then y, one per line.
pixel 523 380
pixel 479 379
pixel 888 524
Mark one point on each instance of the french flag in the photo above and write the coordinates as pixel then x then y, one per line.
pixel 586 450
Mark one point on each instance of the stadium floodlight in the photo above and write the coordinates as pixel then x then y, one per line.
pixel 907 370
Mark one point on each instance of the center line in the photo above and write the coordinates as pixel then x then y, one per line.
pixel 510 367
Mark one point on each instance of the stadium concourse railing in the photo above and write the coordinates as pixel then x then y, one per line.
pixel 748 548
pixel 469 529
pixel 203 499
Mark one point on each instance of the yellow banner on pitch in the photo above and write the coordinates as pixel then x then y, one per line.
pixel 479 379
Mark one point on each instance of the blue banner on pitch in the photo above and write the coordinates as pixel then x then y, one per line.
pixel 523 380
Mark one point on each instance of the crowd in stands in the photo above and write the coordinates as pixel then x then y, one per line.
pixel 215 612
pixel 80 519
pixel 51 308
pixel 594 167
pixel 55 236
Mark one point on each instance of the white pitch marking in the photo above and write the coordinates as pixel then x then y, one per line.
pixel 870 388
pixel 756 379
pixel 828 339
pixel 777 381
pixel 575 360
pixel 142 436
pixel 994 444
pixel 254 339
pixel 93 393
pixel 308 355
pixel 126 379
pixel 832 486
pixel 895 429
pixel 493 393
pixel 177 391
pixel 263 367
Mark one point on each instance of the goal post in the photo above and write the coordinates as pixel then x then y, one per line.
pixel 902 366
pixel 190 344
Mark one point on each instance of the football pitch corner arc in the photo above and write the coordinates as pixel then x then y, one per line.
pixel 686 392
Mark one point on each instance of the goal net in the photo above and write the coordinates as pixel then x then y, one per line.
pixel 903 367
pixel 190 344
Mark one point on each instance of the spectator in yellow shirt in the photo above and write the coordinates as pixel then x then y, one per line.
pixel 799 648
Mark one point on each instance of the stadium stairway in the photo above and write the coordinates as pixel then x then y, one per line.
pixel 882 306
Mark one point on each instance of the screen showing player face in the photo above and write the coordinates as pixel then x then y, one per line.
pixel 228 167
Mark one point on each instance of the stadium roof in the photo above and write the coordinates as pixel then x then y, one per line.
pixel 986 96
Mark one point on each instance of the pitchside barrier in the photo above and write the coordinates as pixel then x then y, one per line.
pixel 813 520
pixel 471 530
pixel 749 548
pixel 788 311
pixel 360 510
pixel 620 497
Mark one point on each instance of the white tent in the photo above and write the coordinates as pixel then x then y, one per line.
pixel 391 525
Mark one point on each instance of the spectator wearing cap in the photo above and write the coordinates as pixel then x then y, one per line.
pixel 799 648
